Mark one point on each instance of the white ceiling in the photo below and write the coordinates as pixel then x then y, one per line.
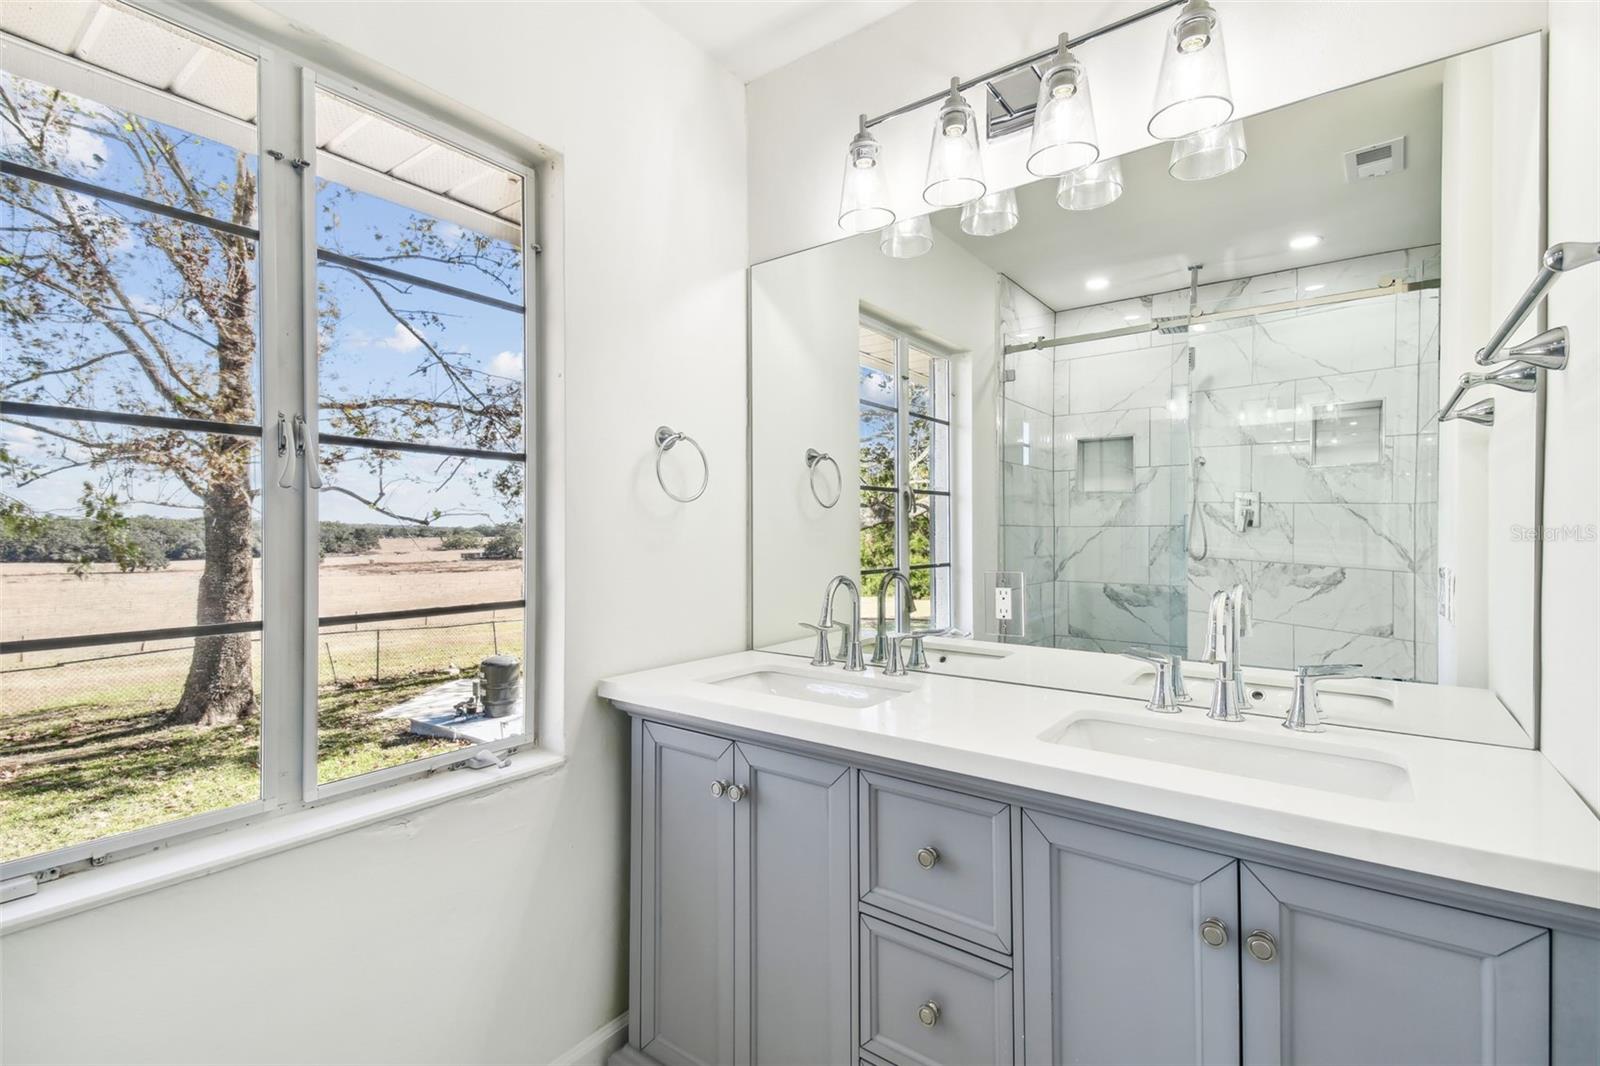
pixel 1237 225
pixel 752 37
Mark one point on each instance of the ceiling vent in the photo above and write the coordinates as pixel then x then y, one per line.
pixel 1375 160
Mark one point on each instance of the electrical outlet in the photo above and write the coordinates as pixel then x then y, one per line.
pixel 1002 603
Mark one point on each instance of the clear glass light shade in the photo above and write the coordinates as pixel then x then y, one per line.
pixel 1064 136
pixel 1209 153
pixel 990 215
pixel 955 163
pixel 1192 92
pixel 907 239
pixel 864 200
pixel 1090 187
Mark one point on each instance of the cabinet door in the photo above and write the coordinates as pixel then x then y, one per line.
pixel 1115 967
pixel 686 978
pixel 1357 975
pixel 791 909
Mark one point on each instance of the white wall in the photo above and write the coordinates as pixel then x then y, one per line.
pixel 805 317
pixel 802 116
pixel 1571 604
pixel 1492 235
pixel 492 929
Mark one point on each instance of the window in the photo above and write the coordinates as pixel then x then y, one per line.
pixel 189 460
pixel 904 418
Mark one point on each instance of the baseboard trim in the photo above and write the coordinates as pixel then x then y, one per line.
pixel 594 1049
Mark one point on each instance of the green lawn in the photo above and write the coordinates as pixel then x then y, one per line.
pixel 88 768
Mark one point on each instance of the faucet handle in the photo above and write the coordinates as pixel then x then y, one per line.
pixel 823 656
pixel 1305 712
pixel 1328 670
pixel 1161 699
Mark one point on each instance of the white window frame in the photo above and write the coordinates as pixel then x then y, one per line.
pixel 904 492
pixel 287 257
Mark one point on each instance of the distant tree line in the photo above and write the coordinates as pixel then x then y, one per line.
pixel 142 542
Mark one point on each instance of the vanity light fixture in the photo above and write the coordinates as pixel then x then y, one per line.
pixel 1209 153
pixel 1097 284
pixel 1064 137
pixel 955 165
pixel 907 239
pixel 1087 188
pixel 864 200
pixel 990 215
pixel 1192 90
pixel 1304 241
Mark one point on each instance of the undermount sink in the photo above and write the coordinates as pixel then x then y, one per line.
pixel 1353 772
pixel 833 691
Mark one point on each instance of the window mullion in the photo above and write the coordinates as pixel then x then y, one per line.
pixel 284 513
pixel 902 478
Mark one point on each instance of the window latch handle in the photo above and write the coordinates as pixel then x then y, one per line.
pixel 286 455
pixel 313 477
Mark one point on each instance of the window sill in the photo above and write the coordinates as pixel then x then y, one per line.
pixel 89 889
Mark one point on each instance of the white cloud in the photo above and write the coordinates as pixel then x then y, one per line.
pixel 506 365
pixel 401 340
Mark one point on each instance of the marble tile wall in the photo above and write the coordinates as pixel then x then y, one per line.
pixel 1343 554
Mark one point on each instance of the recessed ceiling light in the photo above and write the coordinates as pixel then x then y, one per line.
pixel 1314 288
pixel 1199 327
pixel 1130 318
pixel 1096 284
pixel 1304 241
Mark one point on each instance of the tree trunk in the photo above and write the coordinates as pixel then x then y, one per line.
pixel 218 689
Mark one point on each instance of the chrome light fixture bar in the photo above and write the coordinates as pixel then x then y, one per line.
pixel 1028 61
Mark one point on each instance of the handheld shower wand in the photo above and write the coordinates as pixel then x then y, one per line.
pixel 1197 518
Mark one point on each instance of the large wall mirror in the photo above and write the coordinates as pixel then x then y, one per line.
pixel 1070 434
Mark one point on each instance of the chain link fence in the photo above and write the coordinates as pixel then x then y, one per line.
pixel 153 676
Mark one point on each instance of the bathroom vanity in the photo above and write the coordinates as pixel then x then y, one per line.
pixel 831 867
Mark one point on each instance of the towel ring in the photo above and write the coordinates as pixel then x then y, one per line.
pixel 815 459
pixel 666 438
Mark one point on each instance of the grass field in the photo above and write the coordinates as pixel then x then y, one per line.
pixel 85 747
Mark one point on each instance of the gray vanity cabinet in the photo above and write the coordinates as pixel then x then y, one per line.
pixel 743 953
pixel 1334 973
pixel 1130 950
pixel 789 908
pixel 685 952
pixel 792 909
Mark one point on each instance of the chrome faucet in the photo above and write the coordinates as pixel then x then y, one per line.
pixel 881 643
pixel 850 643
pixel 1305 713
pixel 1226 622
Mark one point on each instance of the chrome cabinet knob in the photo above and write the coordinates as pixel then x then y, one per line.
pixel 928 1014
pixel 1261 945
pixel 927 858
pixel 1214 932
pixel 736 793
pixel 718 788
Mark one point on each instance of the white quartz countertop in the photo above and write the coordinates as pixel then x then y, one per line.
pixel 1451 712
pixel 1494 816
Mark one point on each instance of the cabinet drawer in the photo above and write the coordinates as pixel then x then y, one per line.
pixel 924 1003
pixel 938 857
